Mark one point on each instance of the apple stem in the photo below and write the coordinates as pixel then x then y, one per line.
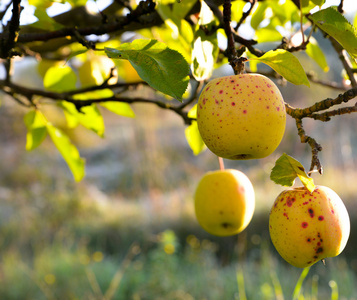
pixel 221 163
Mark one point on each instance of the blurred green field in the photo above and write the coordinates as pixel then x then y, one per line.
pixel 128 231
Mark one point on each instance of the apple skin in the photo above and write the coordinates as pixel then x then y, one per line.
pixel 307 227
pixel 241 116
pixel 224 202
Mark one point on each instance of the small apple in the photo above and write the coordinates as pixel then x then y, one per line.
pixel 307 227
pixel 241 116
pixel 224 202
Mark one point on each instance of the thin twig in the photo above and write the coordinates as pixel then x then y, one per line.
pixel 315 147
pixel 246 14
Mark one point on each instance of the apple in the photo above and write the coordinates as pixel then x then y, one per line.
pixel 307 227
pixel 224 202
pixel 241 116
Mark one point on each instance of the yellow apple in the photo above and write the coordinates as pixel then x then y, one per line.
pixel 127 72
pixel 224 202
pixel 307 227
pixel 241 116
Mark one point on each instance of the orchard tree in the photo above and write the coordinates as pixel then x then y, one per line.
pixel 94 54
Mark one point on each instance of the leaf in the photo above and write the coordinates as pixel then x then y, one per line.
pixel 286 170
pixel 264 35
pixel 45 22
pixel 286 64
pixel 36 129
pixel 314 51
pixel 182 8
pixel 205 47
pixel 119 108
pixel 89 116
pixel 192 134
pixel 162 68
pixel 68 151
pixel 194 139
pixel 336 25
pixel 60 79
pixel 258 15
pixel 318 2
pixel 204 52
pixel 43 4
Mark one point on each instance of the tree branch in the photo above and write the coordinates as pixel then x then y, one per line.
pixel 11 32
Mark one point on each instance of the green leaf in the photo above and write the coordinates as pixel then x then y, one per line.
pixel 182 8
pixel 43 4
pixel 162 68
pixel 68 151
pixel 286 64
pixel 89 116
pixel 192 134
pixel 36 129
pixel 264 35
pixel 45 22
pixel 205 47
pixel 60 79
pixel 318 2
pixel 286 170
pixel 204 53
pixel 314 51
pixel 336 25
pixel 258 15
pixel 99 94
pixel 194 139
pixel 119 108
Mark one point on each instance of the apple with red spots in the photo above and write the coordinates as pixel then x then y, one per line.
pixel 307 227
pixel 241 116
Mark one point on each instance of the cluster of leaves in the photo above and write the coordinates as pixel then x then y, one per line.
pixel 87 60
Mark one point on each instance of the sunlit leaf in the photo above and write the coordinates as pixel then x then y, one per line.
pixel 287 169
pixel 205 47
pixel 45 22
pixel 181 8
pixel 194 139
pixel 318 2
pixel 119 108
pixel 60 79
pixel 259 15
pixel 68 151
pixel 204 53
pixel 336 25
pixel 89 116
pixel 36 129
pixel 264 35
pixel 286 64
pixel 314 51
pixel 43 4
pixel 192 134
pixel 162 68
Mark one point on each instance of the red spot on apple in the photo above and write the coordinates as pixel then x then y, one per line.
pixel 311 212
pixel 233 103
pixel 244 111
pixel 304 224
pixel 321 218
pixel 289 202
pixel 221 91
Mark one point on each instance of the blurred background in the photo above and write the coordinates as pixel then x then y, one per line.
pixel 128 230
